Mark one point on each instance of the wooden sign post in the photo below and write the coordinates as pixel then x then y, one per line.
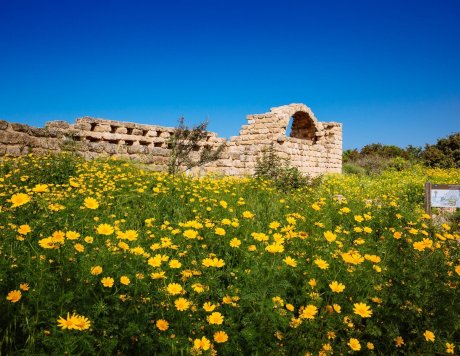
pixel 441 196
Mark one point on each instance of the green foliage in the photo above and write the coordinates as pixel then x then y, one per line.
pixel 376 158
pixel 398 164
pixel 284 176
pixel 349 168
pixel 387 151
pixel 50 169
pixel 350 155
pixel 187 148
pixel 444 154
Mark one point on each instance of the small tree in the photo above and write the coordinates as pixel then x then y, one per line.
pixel 271 166
pixel 445 153
pixel 268 164
pixel 185 149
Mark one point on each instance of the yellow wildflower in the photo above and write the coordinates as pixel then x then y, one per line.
pixel 429 335
pixel 14 296
pixel 362 309
pixel 220 337
pixel 162 325
pixel 337 287
pixel 107 282
pixel 354 344
pixel 19 199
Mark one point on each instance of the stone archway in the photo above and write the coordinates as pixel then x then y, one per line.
pixel 302 126
pixel 296 121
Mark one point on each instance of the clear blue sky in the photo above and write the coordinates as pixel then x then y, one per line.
pixel 388 70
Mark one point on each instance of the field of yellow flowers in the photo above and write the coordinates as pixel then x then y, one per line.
pixel 103 257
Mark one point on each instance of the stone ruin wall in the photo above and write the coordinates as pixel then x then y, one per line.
pixel 314 147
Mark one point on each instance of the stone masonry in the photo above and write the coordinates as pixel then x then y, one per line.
pixel 314 147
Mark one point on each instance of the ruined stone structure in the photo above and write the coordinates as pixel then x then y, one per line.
pixel 312 146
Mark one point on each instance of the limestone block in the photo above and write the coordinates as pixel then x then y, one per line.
pixel 94 136
pixel 39 151
pixel 147 159
pixel 133 149
pixel 3 125
pixel 284 155
pixel 162 160
pixel 13 150
pixel 58 125
pixel 160 152
pixel 82 146
pixel 20 127
pixel 165 134
pixel 85 120
pixel 96 147
pixel 264 131
pixel 143 149
pixel 25 150
pixel 121 130
pixel 83 126
pixel 102 128
pixel 52 132
pixel 224 163
pixel 110 148
pixel 35 142
pixel 53 144
pixel 10 138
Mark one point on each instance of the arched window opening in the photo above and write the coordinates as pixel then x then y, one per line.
pixel 301 126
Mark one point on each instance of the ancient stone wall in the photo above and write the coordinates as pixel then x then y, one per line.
pixel 314 147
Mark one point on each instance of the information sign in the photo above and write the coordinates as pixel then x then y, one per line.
pixel 441 196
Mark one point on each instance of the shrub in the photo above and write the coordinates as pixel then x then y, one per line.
pixel 349 168
pixel 373 164
pixel 398 164
pixel 285 177
pixel 387 151
pixel 444 154
pixel 376 158
pixel 186 147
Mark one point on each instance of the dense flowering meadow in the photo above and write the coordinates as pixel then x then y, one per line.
pixel 103 257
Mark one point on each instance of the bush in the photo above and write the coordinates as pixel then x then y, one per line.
pixel 349 168
pixel 376 158
pixel 398 164
pixel 373 164
pixel 187 150
pixel 444 154
pixel 386 151
pixel 271 167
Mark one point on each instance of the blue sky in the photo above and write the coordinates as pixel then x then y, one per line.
pixel 388 70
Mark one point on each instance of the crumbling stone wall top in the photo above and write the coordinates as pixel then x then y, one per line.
pixel 314 147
